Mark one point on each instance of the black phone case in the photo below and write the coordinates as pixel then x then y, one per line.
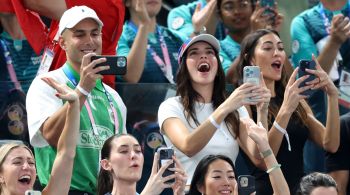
pixel 309 64
pixel 246 184
pixel 112 62
pixel 166 154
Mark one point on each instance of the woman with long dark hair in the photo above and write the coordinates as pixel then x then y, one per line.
pixel 291 121
pixel 203 118
pixel 121 168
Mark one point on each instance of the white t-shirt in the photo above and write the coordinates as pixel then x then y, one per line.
pixel 41 103
pixel 222 141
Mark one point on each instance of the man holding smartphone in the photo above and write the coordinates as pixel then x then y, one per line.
pixel 103 113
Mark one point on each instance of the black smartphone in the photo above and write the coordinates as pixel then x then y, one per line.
pixel 246 184
pixel 306 64
pixel 117 64
pixel 269 5
pixel 166 154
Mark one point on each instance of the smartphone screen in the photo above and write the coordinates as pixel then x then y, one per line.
pixel 246 184
pixel 306 64
pixel 117 64
pixel 166 154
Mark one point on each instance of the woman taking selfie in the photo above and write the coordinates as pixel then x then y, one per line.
pixel 121 168
pixel 291 121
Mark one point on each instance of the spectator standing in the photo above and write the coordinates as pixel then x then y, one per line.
pixel 203 119
pixel 291 121
pixel 151 49
pixel 103 113
pixel 113 19
pixel 240 17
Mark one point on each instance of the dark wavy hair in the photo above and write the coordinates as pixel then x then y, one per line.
pixel 189 95
pixel 309 182
pixel 202 170
pixel 248 46
pixel 105 178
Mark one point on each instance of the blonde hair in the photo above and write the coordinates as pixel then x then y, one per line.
pixel 6 149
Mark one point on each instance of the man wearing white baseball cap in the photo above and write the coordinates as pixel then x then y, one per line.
pixel 103 113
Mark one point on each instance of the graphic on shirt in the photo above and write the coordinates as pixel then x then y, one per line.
pixel 177 23
pixel 295 46
pixel 89 140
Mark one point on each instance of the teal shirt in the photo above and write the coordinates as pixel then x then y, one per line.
pixel 86 162
pixel 24 60
pixel 152 72
pixel 180 19
pixel 229 51
pixel 308 28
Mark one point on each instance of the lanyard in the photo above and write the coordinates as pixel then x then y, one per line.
pixel 9 66
pixel 326 21
pixel 72 79
pixel 165 65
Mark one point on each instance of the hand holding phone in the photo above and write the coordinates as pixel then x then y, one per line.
pixel 246 184
pixel 269 6
pixel 166 154
pixel 251 74
pixel 306 64
pixel 117 64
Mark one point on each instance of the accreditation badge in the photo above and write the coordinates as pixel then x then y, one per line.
pixel 46 61
pixel 344 89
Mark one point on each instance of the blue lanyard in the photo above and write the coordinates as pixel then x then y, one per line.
pixel 117 121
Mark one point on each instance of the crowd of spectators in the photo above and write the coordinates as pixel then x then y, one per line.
pixel 66 127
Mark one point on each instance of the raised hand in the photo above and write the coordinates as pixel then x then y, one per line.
pixel 141 12
pixel 256 132
pixel 292 93
pixel 259 20
pixel 245 94
pixel 88 73
pixel 156 182
pixel 340 29
pixel 322 81
pixel 180 179
pixel 201 16
pixel 63 91
pixel 265 96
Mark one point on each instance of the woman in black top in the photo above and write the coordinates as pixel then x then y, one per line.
pixel 290 119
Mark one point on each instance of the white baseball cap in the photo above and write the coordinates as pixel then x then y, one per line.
pixel 210 39
pixel 74 15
